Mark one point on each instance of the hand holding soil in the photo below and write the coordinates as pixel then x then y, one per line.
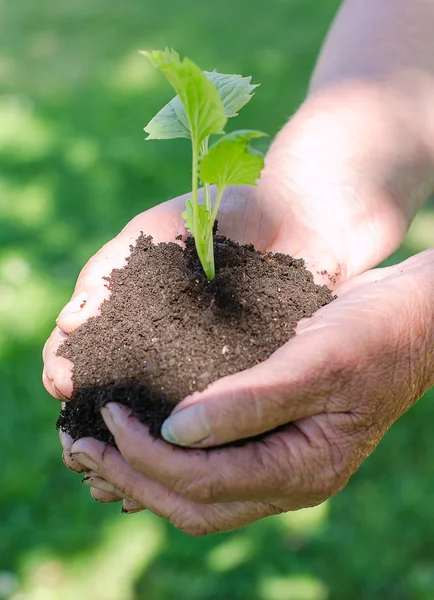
pixel 335 389
pixel 339 189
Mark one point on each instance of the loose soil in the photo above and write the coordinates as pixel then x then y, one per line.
pixel 167 331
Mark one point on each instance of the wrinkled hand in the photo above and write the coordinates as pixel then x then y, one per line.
pixel 350 372
pixel 371 356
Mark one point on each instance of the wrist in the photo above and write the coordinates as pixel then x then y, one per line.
pixel 357 164
pixel 388 122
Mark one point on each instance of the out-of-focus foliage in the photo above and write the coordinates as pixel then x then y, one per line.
pixel 74 96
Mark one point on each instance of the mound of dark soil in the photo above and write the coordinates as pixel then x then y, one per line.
pixel 167 331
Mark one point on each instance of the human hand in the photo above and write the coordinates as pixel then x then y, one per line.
pixel 333 391
pixel 322 218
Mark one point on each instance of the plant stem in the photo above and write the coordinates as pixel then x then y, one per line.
pixel 205 249
pixel 209 239
pixel 209 249
pixel 206 186
pixel 194 189
pixel 216 206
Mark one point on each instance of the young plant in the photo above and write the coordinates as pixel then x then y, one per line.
pixel 204 103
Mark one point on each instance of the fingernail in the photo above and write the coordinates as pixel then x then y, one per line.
pixel 85 460
pixel 115 416
pixel 99 484
pixel 112 414
pixel 59 393
pixel 89 475
pixel 130 507
pixel 74 306
pixel 187 427
pixel 124 511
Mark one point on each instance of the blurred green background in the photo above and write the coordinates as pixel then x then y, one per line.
pixel 74 169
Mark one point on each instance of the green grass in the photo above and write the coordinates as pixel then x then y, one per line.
pixel 73 170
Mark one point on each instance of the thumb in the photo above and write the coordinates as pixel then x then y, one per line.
pixel 255 401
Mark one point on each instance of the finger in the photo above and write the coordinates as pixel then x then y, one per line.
pixel 69 461
pixel 103 497
pixel 192 518
pixel 110 466
pixel 251 472
pixel 129 507
pixel 96 482
pixel 57 369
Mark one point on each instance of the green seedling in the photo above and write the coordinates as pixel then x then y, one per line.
pixel 204 103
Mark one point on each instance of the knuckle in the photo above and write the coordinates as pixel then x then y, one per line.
pixel 50 386
pixel 129 442
pixel 194 529
pixel 335 471
pixel 126 486
pixel 268 457
pixel 72 464
pixel 191 523
pixel 133 458
pixel 102 497
pixel 97 495
pixel 328 465
pixel 330 485
pixel 251 403
pixel 200 490
pixel 128 490
pixel 249 408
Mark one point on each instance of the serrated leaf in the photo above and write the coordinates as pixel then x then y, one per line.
pixel 204 113
pixel 232 161
pixel 203 216
pixel 187 215
pixel 171 121
pixel 234 91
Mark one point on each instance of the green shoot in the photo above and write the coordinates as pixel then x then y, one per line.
pixel 201 108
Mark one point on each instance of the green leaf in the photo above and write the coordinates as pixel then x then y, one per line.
pixel 187 215
pixel 204 218
pixel 171 121
pixel 234 91
pixel 203 110
pixel 232 161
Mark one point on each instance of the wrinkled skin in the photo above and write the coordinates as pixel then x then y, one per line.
pixel 355 367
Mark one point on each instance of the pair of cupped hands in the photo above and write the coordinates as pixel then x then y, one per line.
pixel 339 189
